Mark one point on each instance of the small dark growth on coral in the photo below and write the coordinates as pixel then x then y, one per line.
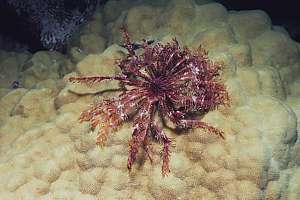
pixel 163 79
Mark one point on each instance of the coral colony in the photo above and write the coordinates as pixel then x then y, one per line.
pixel 162 78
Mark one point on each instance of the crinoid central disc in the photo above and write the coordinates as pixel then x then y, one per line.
pixel 158 86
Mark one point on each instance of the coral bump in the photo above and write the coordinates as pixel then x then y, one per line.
pixel 158 78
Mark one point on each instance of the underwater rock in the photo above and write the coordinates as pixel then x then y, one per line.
pixel 48 171
pixel 280 29
pixel 33 189
pixel 17 179
pixel 241 54
pixel 249 80
pixel 8 103
pixel 83 162
pixel 210 14
pixel 92 38
pixel 142 20
pixel 84 144
pixel 294 88
pixel 213 38
pixel 64 97
pixel 241 190
pixel 88 183
pixel 42 66
pixel 4 91
pixel 187 19
pixel 268 49
pixel 200 192
pixel 95 25
pixel 270 82
pixel 279 51
pixel 37 104
pixel 92 43
pixel 117 179
pixel 113 9
pixel 248 25
pixel 76 54
pixel 233 55
pixel 7 195
pixel 165 187
pixel 278 128
pixel 181 19
pixel 65 156
pixel 94 64
pixel 10 68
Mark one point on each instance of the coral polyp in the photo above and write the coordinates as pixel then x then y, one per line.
pixel 157 78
